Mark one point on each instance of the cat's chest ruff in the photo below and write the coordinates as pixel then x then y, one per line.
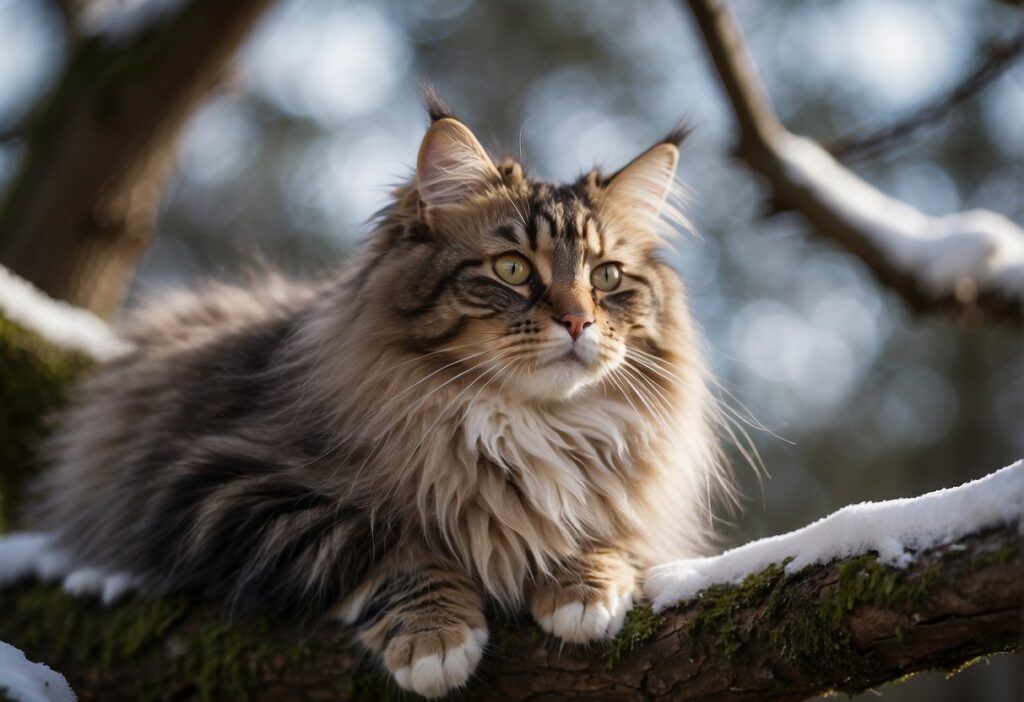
pixel 557 455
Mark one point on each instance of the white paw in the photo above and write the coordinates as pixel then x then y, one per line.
pixel 436 674
pixel 580 623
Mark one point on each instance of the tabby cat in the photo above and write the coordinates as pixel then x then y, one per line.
pixel 499 403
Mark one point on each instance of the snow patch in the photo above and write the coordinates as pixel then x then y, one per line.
pixel 895 529
pixel 58 322
pixel 25 555
pixel 21 680
pixel 976 245
pixel 30 555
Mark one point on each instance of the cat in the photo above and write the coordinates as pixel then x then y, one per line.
pixel 500 402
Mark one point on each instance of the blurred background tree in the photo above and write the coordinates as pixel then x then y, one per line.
pixel 319 115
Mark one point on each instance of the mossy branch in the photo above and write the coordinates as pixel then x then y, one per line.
pixel 848 625
pixel 35 377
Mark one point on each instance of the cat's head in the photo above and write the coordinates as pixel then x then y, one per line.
pixel 535 288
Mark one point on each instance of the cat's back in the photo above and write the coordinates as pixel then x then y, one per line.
pixel 181 320
pixel 201 365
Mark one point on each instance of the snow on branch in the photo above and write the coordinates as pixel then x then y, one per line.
pixel 896 530
pixel 61 324
pixel 21 680
pixel 968 263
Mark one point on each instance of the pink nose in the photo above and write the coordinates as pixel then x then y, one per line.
pixel 575 323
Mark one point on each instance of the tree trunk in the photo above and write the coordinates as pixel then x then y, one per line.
pixel 81 211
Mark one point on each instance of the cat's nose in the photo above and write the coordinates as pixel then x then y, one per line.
pixel 575 323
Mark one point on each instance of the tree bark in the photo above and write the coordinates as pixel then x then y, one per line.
pixel 762 144
pixel 849 625
pixel 81 211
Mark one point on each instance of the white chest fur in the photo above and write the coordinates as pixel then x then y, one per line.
pixel 564 458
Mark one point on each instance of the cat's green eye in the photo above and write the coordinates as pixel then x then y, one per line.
pixel 606 277
pixel 512 268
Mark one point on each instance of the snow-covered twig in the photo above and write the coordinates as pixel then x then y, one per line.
pixel 969 263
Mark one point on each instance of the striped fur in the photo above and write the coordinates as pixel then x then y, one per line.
pixel 412 438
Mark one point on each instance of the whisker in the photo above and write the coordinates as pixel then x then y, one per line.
pixel 743 442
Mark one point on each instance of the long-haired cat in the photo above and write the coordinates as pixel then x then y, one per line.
pixel 500 401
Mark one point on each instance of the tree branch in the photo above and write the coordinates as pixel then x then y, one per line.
pixel 969 264
pixel 81 211
pixel 847 625
pixel 998 58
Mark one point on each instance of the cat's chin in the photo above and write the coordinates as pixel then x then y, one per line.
pixel 561 379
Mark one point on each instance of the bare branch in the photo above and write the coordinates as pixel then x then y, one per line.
pixel 970 264
pixel 998 59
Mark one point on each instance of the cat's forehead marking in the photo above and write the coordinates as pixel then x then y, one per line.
pixel 563 229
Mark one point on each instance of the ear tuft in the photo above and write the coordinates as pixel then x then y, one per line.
pixel 433 103
pixel 452 166
pixel 641 188
pixel 679 134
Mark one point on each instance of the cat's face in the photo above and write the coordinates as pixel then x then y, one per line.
pixel 537 290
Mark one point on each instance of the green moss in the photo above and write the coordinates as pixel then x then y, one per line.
pixel 35 377
pixel 41 618
pixel 808 627
pixel 999 557
pixel 513 637
pixel 213 660
pixel 819 642
pixel 220 658
pixel 641 624
pixel 720 608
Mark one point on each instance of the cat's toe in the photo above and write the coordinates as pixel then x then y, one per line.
pixel 434 662
pixel 600 617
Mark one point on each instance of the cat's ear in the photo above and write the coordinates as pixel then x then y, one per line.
pixel 452 166
pixel 640 190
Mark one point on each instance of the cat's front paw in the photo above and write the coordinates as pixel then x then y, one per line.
pixel 580 607
pixel 435 661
